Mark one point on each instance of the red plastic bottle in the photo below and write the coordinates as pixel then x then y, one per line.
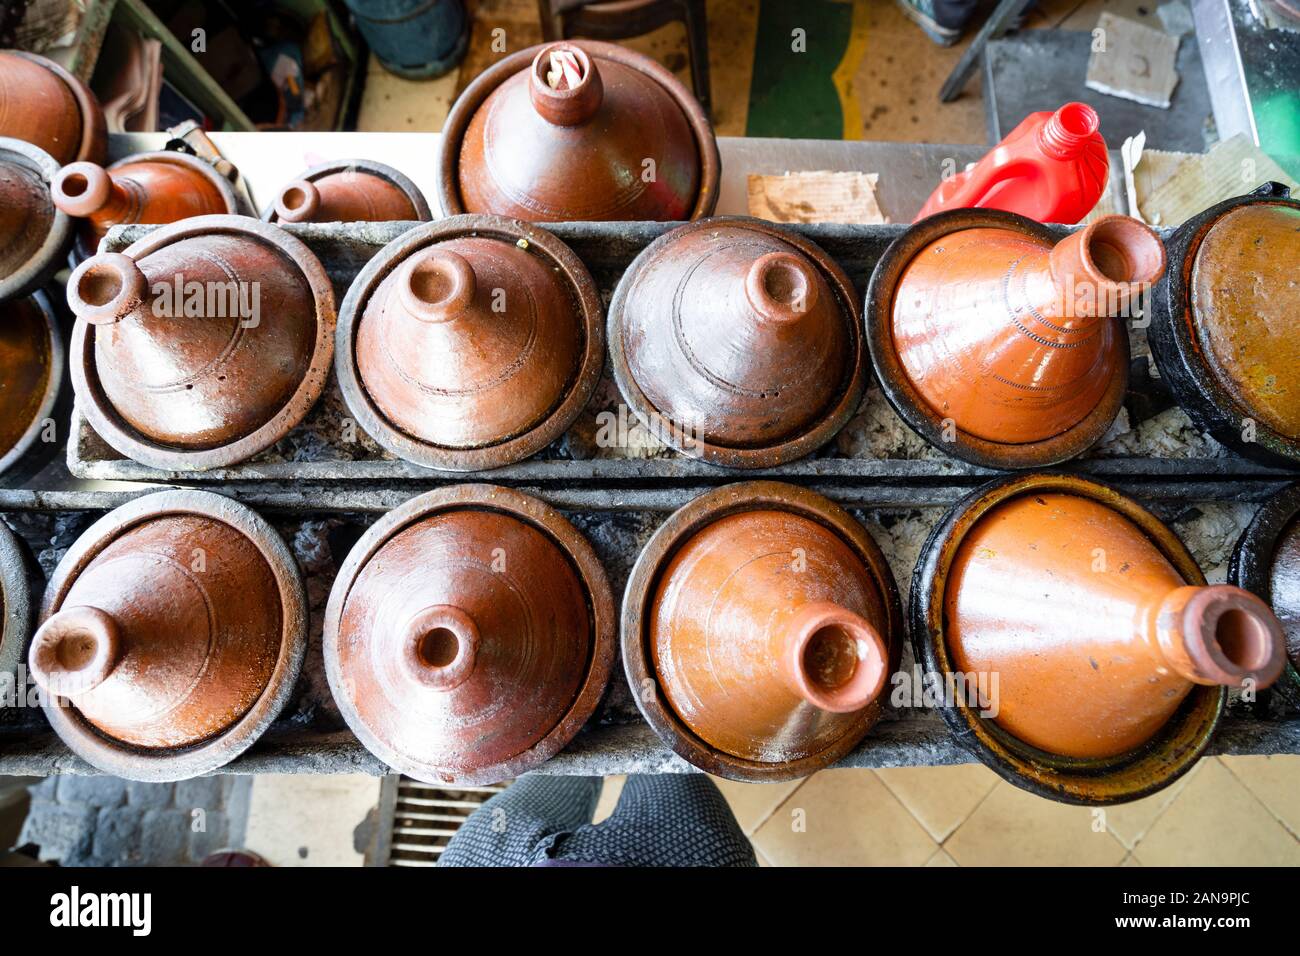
pixel 1052 167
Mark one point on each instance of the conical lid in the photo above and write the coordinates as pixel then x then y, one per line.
pixel 1244 299
pixel 1006 335
pixel 203 343
pixel 27 353
pixel 1284 589
pixel 469 635
pixel 579 131
pixel 349 191
pixel 737 341
pixel 33 233
pixel 1094 637
pixel 45 105
pixel 18 573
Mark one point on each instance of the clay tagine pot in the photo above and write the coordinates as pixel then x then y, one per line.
pixel 31 374
pixel 20 582
pixel 1224 335
pixel 1266 562
pixel 45 105
pixel 578 132
pixel 760 625
pixel 34 234
pixel 1094 659
pixel 737 342
pixel 172 634
pixel 469 635
pixel 994 338
pixel 470 343
pixel 201 344
pixel 349 190
pixel 149 188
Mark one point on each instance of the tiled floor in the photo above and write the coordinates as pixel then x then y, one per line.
pixel 1228 811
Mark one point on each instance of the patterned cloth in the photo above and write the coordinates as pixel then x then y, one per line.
pixel 660 820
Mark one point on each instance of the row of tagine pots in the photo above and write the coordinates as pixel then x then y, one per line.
pixel 475 341
pixel 1067 635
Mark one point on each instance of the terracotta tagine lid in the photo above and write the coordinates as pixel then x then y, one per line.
pixel 45 105
pixel 149 188
pixel 350 190
pixel 31 373
pixel 201 344
pixel 737 342
pixel 33 233
pixel 578 131
pixel 1102 653
pixel 473 342
pixel 1266 562
pixel 766 620
pixel 20 581
pixel 1226 339
pixel 172 634
pixel 995 341
pixel 469 635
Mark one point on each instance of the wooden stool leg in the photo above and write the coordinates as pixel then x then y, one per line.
pixel 552 25
pixel 697 37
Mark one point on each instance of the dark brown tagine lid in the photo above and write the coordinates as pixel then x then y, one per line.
pixel 1266 562
pixel 472 342
pixel 31 373
pixel 579 131
pixel 201 344
pixel 33 232
pixel 150 188
pixel 350 190
pixel 767 621
pixel 172 634
pixel 1104 655
pixel 995 339
pixel 737 342
pixel 469 635
pixel 19 583
pixel 1231 347
pixel 44 104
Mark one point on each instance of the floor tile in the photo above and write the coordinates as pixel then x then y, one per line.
pixel 941 858
pixel 309 820
pixel 844 818
pixel 1275 781
pixel 1216 821
pixel 1015 828
pixel 940 797
pixel 404 106
pixel 609 795
pixel 1130 821
pixel 753 803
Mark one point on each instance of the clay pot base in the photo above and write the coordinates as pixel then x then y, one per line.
pixel 574 546
pixel 44 260
pixel 397 178
pixel 19 581
pixel 1179 354
pixel 837 414
pixel 1253 562
pixel 99 411
pixel 524 235
pixel 134 763
pixel 1120 779
pixel 907 401
pixel 40 304
pixel 473 96
pixel 643 582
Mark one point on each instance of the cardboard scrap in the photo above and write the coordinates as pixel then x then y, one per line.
pixel 821 196
pixel 1232 168
pixel 1133 61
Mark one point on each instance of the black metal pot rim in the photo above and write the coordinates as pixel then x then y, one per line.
pixel 729 456
pixel 1068 780
pixel 473 96
pixel 536 241
pixel 47 258
pixel 1209 404
pixel 1251 566
pixel 582 558
pixel 382 170
pixel 907 401
pixel 157 765
pixel 101 415
pixel 53 385
pixel 16 596
pixel 637 660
